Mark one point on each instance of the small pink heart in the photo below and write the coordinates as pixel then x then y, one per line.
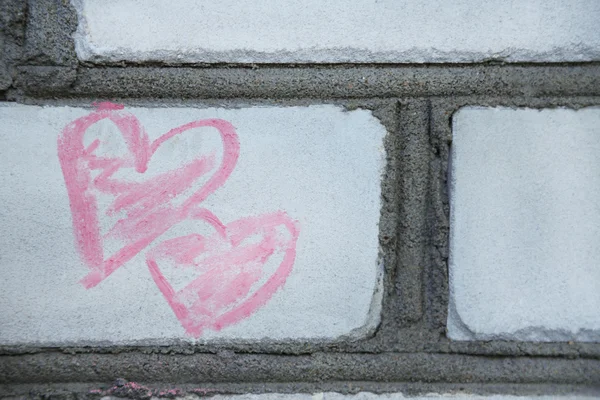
pixel 149 205
pixel 231 276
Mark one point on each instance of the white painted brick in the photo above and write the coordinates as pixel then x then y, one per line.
pixel 525 225
pixel 334 31
pixel 320 165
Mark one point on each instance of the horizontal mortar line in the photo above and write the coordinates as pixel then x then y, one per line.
pixel 341 71
pixel 321 351
pixel 302 82
pixel 344 387
pixel 262 368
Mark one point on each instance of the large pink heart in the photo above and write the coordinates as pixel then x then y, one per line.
pixel 231 280
pixel 149 205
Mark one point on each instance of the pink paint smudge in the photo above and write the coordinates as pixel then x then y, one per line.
pixel 230 268
pixel 233 280
pixel 149 205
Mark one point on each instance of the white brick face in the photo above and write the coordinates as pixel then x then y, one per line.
pixel 282 245
pixel 525 225
pixel 272 31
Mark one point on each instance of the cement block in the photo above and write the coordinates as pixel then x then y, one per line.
pixel 253 224
pixel 525 225
pixel 415 31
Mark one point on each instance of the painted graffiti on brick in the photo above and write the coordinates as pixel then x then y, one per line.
pixel 230 273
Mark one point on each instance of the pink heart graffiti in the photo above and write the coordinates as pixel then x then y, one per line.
pixel 231 279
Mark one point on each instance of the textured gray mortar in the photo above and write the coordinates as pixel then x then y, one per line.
pixel 12 38
pixel 51 24
pixel 409 350
pixel 317 82
pixel 316 367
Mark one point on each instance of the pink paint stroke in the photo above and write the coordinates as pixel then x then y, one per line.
pixel 149 207
pixel 231 281
pixel 226 292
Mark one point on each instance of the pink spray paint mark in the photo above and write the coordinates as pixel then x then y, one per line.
pixel 232 269
pixel 149 205
pixel 232 281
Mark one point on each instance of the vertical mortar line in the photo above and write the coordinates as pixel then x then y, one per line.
pixel 12 40
pixel 49 40
pixel 413 183
pixel 388 224
pixel 436 282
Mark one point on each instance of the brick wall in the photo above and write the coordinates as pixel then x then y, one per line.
pixel 376 199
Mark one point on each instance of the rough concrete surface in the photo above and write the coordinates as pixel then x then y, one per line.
pixel 386 31
pixel 297 83
pixel 12 37
pixel 319 165
pixel 524 223
pixel 50 42
pixel 223 367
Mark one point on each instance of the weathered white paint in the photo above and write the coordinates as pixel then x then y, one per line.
pixel 320 164
pixel 337 31
pixel 525 224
